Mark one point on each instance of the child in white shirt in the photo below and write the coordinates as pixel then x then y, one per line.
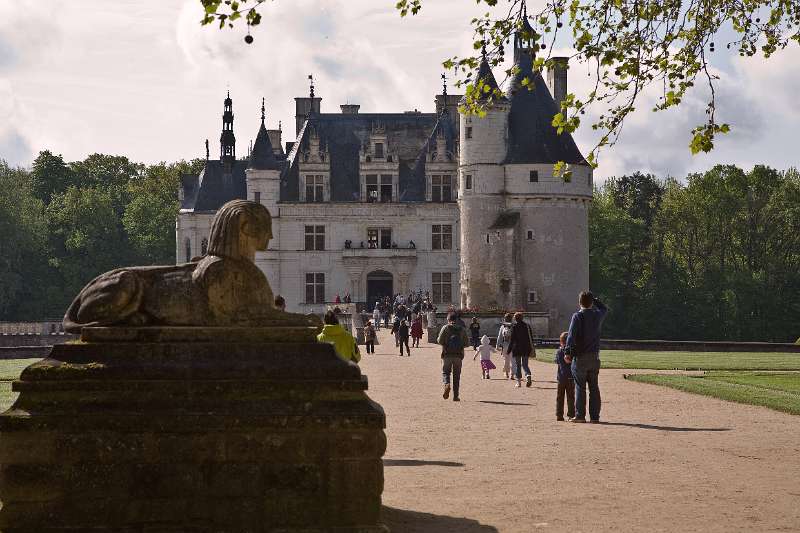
pixel 485 350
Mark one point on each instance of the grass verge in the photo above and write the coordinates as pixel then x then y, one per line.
pixel 692 360
pixel 779 391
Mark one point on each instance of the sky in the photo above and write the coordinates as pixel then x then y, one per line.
pixel 142 78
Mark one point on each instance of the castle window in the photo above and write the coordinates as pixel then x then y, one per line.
pixel 315 238
pixel 468 132
pixel 441 237
pixel 441 189
pixel 315 288
pixel 533 297
pixel 379 237
pixel 441 287
pixel 257 198
pixel 379 150
pixel 530 235
pixel 534 176
pixel 188 245
pixel 372 187
pixel 386 188
pixel 315 189
pixel 468 182
pixel 487 238
pixel 204 247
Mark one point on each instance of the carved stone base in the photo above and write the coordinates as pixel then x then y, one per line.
pixel 159 434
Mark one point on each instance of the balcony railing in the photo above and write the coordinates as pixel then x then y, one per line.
pixel 379 252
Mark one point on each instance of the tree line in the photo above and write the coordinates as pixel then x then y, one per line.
pixel 715 256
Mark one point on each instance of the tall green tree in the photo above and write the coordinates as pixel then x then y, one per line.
pixel 50 175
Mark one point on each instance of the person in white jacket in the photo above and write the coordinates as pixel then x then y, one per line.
pixel 376 317
pixel 503 336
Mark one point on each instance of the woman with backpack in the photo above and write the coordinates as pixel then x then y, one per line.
pixel 503 338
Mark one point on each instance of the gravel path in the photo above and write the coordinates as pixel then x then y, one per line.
pixel 662 460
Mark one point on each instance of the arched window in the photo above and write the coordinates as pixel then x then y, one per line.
pixel 204 247
pixel 188 245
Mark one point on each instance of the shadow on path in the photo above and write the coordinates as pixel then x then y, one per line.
pixel 402 520
pixel 418 462
pixel 503 403
pixel 660 428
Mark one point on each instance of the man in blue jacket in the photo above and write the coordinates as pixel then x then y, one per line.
pixel 583 350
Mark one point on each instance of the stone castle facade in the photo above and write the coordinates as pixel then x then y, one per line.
pixel 371 204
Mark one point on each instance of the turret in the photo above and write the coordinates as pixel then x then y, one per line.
pixel 263 177
pixel 481 185
pixel 227 141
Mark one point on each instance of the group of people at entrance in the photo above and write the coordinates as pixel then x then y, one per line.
pixel 577 358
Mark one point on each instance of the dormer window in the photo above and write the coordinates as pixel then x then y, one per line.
pixel 379 150
pixel 315 187
pixel 441 189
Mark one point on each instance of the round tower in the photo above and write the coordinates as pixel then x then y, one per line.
pixel 482 152
pixel 552 236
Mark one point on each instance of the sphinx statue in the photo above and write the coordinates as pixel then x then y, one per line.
pixel 222 288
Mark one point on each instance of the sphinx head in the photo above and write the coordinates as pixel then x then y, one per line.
pixel 239 229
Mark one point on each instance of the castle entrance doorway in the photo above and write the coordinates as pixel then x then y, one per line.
pixel 379 284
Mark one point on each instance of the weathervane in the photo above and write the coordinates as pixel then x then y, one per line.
pixel 311 85
pixel 444 85
pixel 208 154
pixel 263 116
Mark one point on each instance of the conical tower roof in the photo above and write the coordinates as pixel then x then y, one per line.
pixel 262 157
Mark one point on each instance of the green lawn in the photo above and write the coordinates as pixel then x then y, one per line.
pixel 693 360
pixel 10 369
pixel 779 391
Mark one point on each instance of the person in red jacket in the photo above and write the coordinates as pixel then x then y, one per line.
pixel 416 331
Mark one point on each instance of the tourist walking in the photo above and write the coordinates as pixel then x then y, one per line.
pixel 452 338
pixel 396 330
pixel 402 337
pixel 503 338
pixel 376 316
pixel 416 331
pixel 475 332
pixel 369 337
pixel 521 347
pixel 342 341
pixel 583 351
pixel 566 383
pixel 485 350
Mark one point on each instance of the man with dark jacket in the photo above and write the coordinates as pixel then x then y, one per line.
pixel 583 351
pixel 521 347
pixel 452 339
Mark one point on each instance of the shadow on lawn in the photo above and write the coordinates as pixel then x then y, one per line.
pixel 503 403
pixel 418 462
pixel 413 521
pixel 660 428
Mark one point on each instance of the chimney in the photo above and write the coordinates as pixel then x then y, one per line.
pixel 350 109
pixel 304 107
pixel 557 79
pixel 275 141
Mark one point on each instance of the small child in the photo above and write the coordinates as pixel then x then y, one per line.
pixel 485 350
pixel 566 384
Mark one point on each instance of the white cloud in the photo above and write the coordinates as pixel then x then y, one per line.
pixel 144 79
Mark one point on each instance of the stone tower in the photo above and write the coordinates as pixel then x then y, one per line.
pixel 263 177
pixel 481 201
pixel 524 230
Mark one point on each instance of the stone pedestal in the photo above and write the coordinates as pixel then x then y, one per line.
pixel 186 429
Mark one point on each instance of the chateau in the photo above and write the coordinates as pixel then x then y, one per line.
pixel 371 204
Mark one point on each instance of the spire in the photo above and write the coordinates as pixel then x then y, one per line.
pixel 262 156
pixel 444 86
pixel 208 153
pixel 311 85
pixel 227 140
pixel 525 39
pixel 485 74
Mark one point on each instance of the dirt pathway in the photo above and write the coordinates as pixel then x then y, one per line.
pixel 662 460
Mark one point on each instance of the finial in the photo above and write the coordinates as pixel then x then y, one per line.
pixel 524 9
pixel 311 85
pixel 207 152
pixel 444 85
pixel 229 93
pixel 279 126
pixel 262 110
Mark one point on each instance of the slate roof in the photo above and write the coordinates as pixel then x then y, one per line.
pixel 408 137
pixel 216 187
pixel 262 157
pixel 532 138
pixel 189 184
